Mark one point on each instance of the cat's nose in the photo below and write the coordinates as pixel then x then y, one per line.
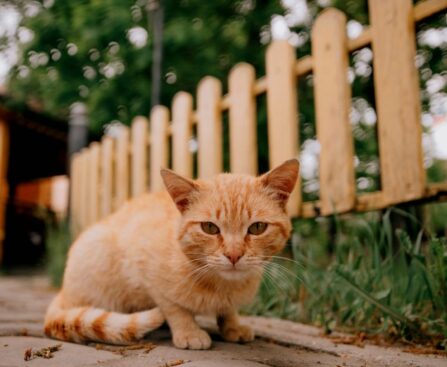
pixel 233 256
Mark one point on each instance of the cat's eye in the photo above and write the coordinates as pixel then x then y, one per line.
pixel 257 228
pixel 210 228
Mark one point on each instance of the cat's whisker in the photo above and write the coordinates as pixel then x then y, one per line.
pixel 285 274
pixel 279 272
pixel 197 275
pixel 283 258
pixel 271 279
pixel 288 271
pixel 279 279
pixel 199 269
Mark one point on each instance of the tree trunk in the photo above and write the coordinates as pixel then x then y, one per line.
pixel 156 19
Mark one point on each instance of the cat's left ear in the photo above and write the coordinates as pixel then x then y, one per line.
pixel 282 179
pixel 180 188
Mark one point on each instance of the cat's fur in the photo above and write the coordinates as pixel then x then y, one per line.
pixel 151 261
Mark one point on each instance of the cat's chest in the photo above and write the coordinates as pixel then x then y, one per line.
pixel 205 299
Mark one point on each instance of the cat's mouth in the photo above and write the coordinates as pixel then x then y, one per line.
pixel 234 272
pixel 233 269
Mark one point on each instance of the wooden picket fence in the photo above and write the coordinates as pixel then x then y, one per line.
pixel 107 173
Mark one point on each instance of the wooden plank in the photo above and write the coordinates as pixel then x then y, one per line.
pixel 106 176
pixel 370 201
pixel 397 100
pixel 74 194
pixel 436 187
pixel 209 128
pixel 364 39
pixel 376 200
pixel 425 9
pixel 93 179
pixel 282 111
pixel 260 85
pixel 332 108
pixel 310 209
pixel 159 146
pixel 122 167
pixel 4 187
pixel 304 65
pixel 225 103
pixel 83 190
pixel 364 202
pixel 181 134
pixel 194 117
pixel 139 160
pixel 243 142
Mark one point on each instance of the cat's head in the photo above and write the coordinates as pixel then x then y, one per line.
pixel 232 224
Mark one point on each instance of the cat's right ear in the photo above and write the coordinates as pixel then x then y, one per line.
pixel 281 180
pixel 181 189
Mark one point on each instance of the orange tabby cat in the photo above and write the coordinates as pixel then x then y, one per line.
pixel 153 261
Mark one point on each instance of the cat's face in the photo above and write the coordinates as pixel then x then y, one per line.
pixel 233 224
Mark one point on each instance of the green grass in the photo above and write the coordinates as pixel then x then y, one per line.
pixel 373 278
pixel 58 243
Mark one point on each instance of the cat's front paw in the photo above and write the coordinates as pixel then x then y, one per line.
pixel 196 339
pixel 238 333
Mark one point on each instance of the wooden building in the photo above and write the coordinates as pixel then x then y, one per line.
pixel 33 147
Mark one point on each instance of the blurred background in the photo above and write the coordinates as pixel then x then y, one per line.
pixel 71 71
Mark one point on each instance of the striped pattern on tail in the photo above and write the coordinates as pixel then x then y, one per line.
pixel 83 324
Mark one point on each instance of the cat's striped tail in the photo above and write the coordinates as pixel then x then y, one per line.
pixel 83 324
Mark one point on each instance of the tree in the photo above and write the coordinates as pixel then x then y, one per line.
pixel 99 52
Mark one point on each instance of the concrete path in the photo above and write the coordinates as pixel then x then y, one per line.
pixel 279 343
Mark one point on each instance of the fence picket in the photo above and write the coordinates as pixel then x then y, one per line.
pixel 282 111
pixel 138 166
pixel 93 182
pixel 83 189
pixel 181 134
pixel 243 142
pixel 122 167
pixel 332 108
pixel 106 175
pixel 209 94
pixel 397 100
pixel 159 146
pixel 74 194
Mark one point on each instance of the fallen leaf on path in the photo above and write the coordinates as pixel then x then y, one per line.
pixel 46 352
pixel 28 354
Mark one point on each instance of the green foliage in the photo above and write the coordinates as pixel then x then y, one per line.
pixel 375 279
pixel 81 52
pixel 58 242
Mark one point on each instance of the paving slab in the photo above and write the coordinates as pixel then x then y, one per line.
pixel 279 343
pixel 12 351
